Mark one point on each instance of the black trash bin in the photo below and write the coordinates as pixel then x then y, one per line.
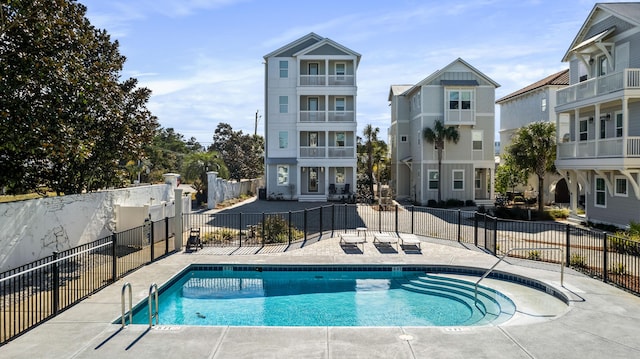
pixel 262 193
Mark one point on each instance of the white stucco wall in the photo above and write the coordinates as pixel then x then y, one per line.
pixel 33 229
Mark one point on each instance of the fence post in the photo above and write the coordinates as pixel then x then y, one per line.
pixel 605 265
pixel 379 219
pixel 151 240
pixel 321 210
pixel 262 229
pixel 475 228
pixel 485 230
pixel 166 235
pixel 567 253
pixel 413 211
pixel 56 284
pixel 333 218
pixel 240 230
pixel 305 226
pixel 114 257
pixel 345 217
pixel 495 236
pixel 459 225
pixel 396 218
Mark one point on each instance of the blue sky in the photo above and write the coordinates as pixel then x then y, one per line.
pixel 203 58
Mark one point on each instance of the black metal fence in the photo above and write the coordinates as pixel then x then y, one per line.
pixel 35 292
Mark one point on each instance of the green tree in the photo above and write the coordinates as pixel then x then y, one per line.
pixel 372 161
pixel 438 135
pixel 508 176
pixel 167 151
pixel 66 121
pixel 243 154
pixel 533 150
pixel 196 166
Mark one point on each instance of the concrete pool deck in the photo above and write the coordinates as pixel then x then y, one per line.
pixel 601 321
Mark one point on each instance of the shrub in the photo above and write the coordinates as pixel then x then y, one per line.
pixel 452 202
pixel 619 269
pixel 469 203
pixel 276 230
pixel 558 213
pixel 534 255
pixel 219 235
pixel 623 245
pixel 432 203
pixel 577 261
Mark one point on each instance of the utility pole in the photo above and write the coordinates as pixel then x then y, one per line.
pixel 255 131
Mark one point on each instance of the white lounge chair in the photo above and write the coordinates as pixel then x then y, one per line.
pixel 352 239
pixel 385 238
pixel 410 239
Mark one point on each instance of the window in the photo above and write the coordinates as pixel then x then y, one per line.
pixel 340 103
pixel 404 138
pixel 460 99
pixel 340 174
pixel 478 180
pixel 601 199
pixel 433 179
pixel 341 69
pixel 544 105
pixel 476 137
pixel 313 139
pixel 583 130
pixel 621 187
pixel 313 68
pixel 458 180
pixel 340 139
pixel 619 124
pixel 284 69
pixel 283 175
pixel 603 65
pixel 603 128
pixel 284 104
pixel 283 139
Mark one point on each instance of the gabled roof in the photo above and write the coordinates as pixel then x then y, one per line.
pixel 628 12
pixel 311 42
pixel 439 72
pixel 558 79
pixel 397 90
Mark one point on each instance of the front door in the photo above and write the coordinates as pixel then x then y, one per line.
pixel 313 179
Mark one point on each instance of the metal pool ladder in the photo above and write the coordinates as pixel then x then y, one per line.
pixel 125 286
pixel 521 249
pixel 153 312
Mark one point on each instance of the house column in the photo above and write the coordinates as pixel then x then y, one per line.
pixel 596 119
pixel 576 131
pixel 625 125
pixel 492 187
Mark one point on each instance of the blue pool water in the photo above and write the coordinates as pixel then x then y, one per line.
pixel 324 298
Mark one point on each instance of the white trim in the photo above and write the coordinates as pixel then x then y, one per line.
pixel 595 192
pixel 453 180
pixel 615 186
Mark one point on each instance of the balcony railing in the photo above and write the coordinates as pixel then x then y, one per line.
pixel 341 116
pixel 627 79
pixel 604 148
pixel 321 116
pixel 313 116
pixel 324 80
pixel 333 152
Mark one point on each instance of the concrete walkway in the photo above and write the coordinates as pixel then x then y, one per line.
pixel 600 321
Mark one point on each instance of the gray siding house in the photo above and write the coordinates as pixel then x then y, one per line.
pixel 310 119
pixel 534 103
pixel 458 95
pixel 598 115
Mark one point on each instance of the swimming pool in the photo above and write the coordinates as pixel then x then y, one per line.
pixel 324 296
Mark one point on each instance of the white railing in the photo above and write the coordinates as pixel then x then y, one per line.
pixel 627 79
pixel 341 152
pixel 312 116
pixel 312 152
pixel 341 116
pixel 607 147
pixel 341 80
pixel 313 80
pixel 327 80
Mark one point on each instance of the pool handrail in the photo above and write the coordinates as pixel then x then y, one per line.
pixel 520 249
pixel 152 313
pixel 124 287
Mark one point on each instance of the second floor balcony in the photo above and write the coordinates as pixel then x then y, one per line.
pixel 602 148
pixel 327 116
pixel 327 80
pixel 602 85
pixel 327 152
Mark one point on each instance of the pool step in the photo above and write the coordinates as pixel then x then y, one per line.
pixel 492 306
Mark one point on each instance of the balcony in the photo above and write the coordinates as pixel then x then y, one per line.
pixel 627 79
pixel 604 148
pixel 327 80
pixel 322 116
pixel 333 151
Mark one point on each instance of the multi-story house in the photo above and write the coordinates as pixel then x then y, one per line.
pixel 458 95
pixel 310 120
pixel 599 138
pixel 534 103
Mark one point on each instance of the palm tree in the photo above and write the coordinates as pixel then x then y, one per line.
pixel 438 135
pixel 371 137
